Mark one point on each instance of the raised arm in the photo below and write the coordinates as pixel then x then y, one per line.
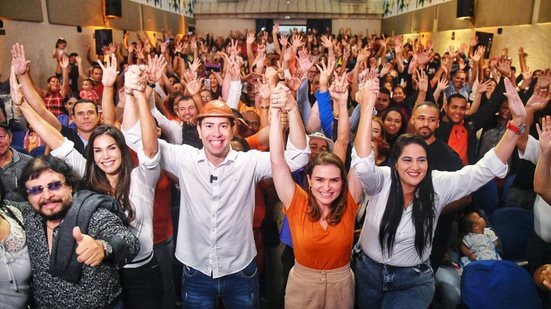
pixel 542 177
pixel 366 96
pixel 281 174
pixel 508 142
pixel 538 101
pixel 110 74
pixel 21 68
pixel 50 135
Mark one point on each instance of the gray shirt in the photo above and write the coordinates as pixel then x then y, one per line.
pixel 10 175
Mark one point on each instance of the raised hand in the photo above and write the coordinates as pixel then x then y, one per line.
pixel 325 72
pixel 63 61
pixel 527 75
pixel 194 66
pixel 263 88
pixel 283 40
pixel 18 61
pixel 304 61
pixel 422 80
pixel 516 107
pixel 483 87
pixel 110 72
pixel 15 91
pixel 339 89
pixel 250 38
pixel 296 43
pixel 326 42
pixel 504 65
pixel 442 83
pixel 478 53
pixel 544 79
pixel 539 99
pixel 259 60
pixel 282 99
pixel 135 79
pixel 275 29
pixel 544 133
pixel 155 68
pixel 194 86
pixel 368 88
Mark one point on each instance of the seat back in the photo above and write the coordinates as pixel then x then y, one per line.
pixel 513 227
pixel 486 198
pixel 498 284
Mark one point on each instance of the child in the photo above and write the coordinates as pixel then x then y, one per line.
pixel 88 91
pixel 480 242
pixel 60 48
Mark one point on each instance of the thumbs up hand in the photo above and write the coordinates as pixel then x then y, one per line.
pixel 89 250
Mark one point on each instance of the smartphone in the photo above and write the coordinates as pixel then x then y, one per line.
pixel 206 83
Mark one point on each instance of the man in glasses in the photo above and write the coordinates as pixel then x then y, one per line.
pixel 76 239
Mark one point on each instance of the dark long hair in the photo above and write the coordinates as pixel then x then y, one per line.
pixel 96 180
pixel 339 204
pixel 423 212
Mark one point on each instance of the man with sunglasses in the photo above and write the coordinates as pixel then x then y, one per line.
pixel 76 239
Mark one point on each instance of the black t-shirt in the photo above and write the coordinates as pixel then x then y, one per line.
pixel 443 158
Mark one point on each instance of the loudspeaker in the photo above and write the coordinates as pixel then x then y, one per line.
pixel 465 9
pixel 103 38
pixel 113 8
pixel 485 39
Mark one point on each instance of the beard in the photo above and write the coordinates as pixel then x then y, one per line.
pixel 59 214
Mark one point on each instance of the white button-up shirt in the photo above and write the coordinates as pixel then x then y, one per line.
pixel 448 187
pixel 215 234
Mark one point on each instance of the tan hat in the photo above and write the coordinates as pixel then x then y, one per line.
pixel 319 135
pixel 215 108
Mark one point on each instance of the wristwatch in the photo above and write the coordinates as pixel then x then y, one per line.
pixel 517 130
pixel 107 249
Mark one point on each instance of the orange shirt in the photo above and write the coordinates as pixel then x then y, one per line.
pixel 314 246
pixel 458 141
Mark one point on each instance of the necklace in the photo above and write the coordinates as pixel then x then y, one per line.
pixel 50 227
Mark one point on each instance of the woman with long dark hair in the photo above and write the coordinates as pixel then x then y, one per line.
pixel 108 169
pixel 393 269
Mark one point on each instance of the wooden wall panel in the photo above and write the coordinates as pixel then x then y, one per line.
pixel 25 10
pixel 399 24
pixel 130 19
pixel 75 13
pixel 422 20
pixel 545 11
pixel 492 13
pixel 447 17
pixel 153 19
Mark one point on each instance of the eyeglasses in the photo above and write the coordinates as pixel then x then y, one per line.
pixel 52 186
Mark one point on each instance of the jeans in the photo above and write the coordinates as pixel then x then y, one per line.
pixel 385 286
pixel 238 290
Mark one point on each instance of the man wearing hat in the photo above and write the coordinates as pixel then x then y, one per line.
pixel 217 184
pixel 11 164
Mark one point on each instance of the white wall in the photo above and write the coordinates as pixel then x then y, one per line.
pixel 357 25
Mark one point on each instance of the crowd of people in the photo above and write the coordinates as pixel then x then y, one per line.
pixel 183 149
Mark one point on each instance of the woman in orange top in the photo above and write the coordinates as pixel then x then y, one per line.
pixel 321 218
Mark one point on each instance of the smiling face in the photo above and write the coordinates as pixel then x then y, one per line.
pixel 376 130
pixel 383 100
pixel 54 84
pixel 186 110
pixel 393 123
pixel 412 166
pixel 107 154
pixel 398 95
pixel 325 183
pixel 456 109
pixel 53 202
pixel 216 134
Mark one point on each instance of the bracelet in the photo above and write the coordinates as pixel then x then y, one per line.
pixel 265 107
pixel 152 85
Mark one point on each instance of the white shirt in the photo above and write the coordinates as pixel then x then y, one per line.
pixel 171 128
pixel 143 181
pixel 215 234
pixel 542 210
pixel 448 187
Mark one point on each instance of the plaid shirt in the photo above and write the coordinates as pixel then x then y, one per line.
pixel 54 102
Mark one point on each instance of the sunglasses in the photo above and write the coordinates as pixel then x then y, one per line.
pixel 52 186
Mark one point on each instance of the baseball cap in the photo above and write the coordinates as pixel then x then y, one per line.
pixel 322 136
pixel 215 108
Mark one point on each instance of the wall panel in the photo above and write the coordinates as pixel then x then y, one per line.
pixel 27 10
